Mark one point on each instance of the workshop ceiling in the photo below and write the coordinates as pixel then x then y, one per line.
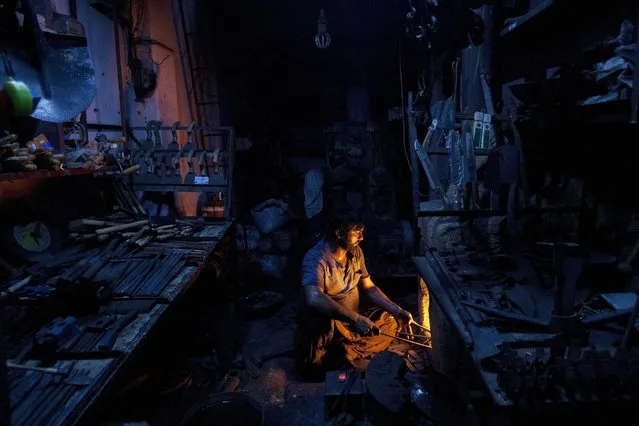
pixel 269 53
pixel 352 19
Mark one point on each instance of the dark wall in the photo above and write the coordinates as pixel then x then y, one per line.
pixel 271 73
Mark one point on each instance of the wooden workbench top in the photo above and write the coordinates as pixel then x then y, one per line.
pixel 51 399
pixel 55 399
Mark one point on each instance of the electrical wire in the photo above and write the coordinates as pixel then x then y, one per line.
pixel 404 118
pixel 150 53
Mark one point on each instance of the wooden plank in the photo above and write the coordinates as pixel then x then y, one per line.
pixel 180 283
pixel 133 334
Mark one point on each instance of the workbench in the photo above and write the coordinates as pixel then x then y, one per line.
pixel 65 398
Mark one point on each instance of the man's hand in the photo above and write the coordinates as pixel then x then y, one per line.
pixel 403 318
pixel 366 327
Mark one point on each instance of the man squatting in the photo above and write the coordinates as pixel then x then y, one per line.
pixel 336 323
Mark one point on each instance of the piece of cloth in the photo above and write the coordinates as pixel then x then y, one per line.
pixel 320 341
pixel 337 281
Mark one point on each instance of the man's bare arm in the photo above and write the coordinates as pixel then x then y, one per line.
pixel 327 306
pixel 378 297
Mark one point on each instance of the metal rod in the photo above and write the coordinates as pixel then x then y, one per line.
pixel 405 340
pixel 418 325
pixel 118 60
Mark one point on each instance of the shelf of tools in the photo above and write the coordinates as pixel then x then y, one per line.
pixel 202 164
pixel 85 295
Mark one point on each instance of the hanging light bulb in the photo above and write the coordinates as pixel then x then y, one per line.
pixel 322 39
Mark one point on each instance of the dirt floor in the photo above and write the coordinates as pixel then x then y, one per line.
pixel 182 369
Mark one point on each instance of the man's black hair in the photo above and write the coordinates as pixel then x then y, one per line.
pixel 344 222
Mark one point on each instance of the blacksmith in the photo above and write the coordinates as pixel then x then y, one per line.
pixel 344 312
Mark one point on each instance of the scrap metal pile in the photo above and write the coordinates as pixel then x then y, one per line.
pixel 541 328
pixel 576 375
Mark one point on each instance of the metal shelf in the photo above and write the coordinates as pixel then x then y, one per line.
pixel 49 174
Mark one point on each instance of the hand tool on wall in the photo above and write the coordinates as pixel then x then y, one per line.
pixel 146 165
pixel 176 166
pixel 148 144
pixel 157 137
pixel 215 158
pixel 189 137
pixel 174 145
pixel 161 168
pixel 412 342
pixel 201 159
pixel 189 179
pixel 112 333
pixel 136 159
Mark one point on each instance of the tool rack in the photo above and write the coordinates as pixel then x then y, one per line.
pixel 90 360
pixel 204 163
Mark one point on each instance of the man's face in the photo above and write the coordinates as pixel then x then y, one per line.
pixel 353 237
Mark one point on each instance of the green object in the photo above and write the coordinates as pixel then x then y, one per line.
pixel 20 96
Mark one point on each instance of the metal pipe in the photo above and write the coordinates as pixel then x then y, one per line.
pixel 118 58
pixel 405 340
pixel 186 75
pixel 195 113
